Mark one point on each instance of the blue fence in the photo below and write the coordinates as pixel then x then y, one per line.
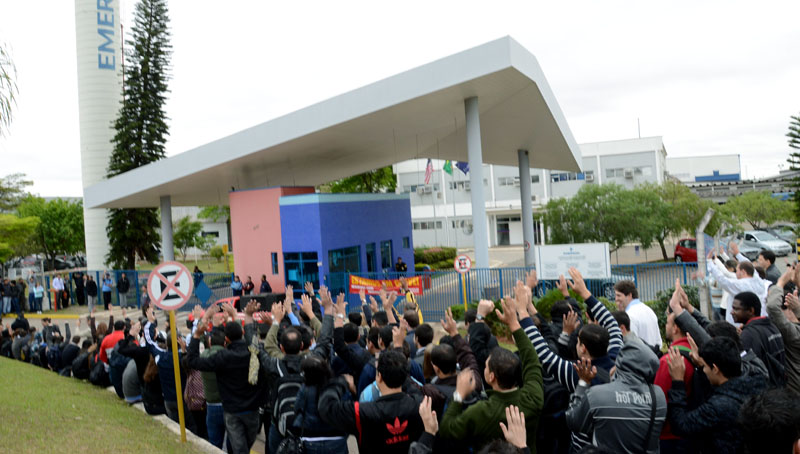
pixel 209 287
pixel 442 289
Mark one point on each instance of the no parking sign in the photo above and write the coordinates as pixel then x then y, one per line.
pixel 170 285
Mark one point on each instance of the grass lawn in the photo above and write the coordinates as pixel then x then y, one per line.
pixel 207 265
pixel 44 412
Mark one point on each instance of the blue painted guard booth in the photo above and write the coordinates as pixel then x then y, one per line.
pixel 341 233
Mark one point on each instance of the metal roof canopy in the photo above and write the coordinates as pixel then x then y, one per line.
pixel 415 114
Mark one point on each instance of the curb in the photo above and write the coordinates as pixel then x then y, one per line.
pixel 201 444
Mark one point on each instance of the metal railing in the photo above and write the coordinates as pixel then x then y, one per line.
pixel 215 286
pixel 442 289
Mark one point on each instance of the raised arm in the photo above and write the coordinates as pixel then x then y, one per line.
pixel 789 331
pixel 598 312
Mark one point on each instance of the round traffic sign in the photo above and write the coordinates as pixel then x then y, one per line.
pixel 170 285
pixel 462 263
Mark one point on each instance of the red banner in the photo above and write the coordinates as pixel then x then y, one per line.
pixel 373 286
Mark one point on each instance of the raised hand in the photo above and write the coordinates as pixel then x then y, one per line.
pixel 373 305
pixel 509 314
pixel 341 304
pixel 585 370
pixel 695 351
pixel 135 328
pixel 571 322
pixel 485 307
pixel 531 280
pixel 734 248
pixel 449 324
pixel 522 296
pixel 199 331
pixel 278 312
pixel 197 312
pixel 465 383
pixel 792 301
pixel 309 288
pixel 677 368
pixel 251 308
pixel 362 295
pixel 561 285
pixel 786 277
pixel 515 433
pixel 577 283
pixel 675 301
pixel 325 298
pixel 428 416
pixel 398 336
pixel 307 307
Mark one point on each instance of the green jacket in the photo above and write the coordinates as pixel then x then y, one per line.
pixel 480 422
pixel 210 378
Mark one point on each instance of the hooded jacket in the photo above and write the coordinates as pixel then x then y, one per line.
pixel 713 425
pixel 764 339
pixel 618 414
pixel 791 337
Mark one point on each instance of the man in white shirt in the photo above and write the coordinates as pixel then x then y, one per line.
pixel 58 286
pixel 746 280
pixel 644 322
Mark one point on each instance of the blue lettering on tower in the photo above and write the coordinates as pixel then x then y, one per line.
pixel 105 28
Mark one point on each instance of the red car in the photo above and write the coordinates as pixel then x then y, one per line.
pixel 686 250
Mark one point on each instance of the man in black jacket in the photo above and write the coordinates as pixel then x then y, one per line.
pixel 389 424
pixel 760 335
pixel 123 285
pixel 240 399
pixel 480 337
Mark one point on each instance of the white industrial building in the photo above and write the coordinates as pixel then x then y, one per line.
pixel 706 169
pixel 441 210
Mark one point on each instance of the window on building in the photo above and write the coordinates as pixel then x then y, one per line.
pixel 210 234
pixel 534 178
pixel 344 260
pixel 301 267
pixel 407 240
pixel 386 254
pixel 372 258
pixel 274 263
pixel 438 224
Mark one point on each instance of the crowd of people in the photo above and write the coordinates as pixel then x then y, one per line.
pixel 312 373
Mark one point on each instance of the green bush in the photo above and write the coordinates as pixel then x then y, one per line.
pixel 545 303
pixel 435 256
pixel 217 253
pixel 498 328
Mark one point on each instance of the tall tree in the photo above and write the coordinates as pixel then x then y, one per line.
pixel 378 180
pixel 8 89
pixel 14 230
pixel 141 130
pixel 12 191
pixel 794 160
pixel 758 208
pixel 187 233
pixel 682 211
pixel 60 227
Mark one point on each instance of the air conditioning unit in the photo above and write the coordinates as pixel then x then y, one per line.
pixel 589 177
pixel 420 190
pixel 628 174
pixel 466 185
pixel 533 198
pixel 516 182
pixel 428 190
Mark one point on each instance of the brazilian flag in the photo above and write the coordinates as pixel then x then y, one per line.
pixel 448 167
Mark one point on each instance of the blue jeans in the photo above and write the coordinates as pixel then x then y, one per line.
pixel 6 304
pixel 274 438
pixel 15 307
pixel 326 446
pixel 242 430
pixel 215 422
pixel 38 300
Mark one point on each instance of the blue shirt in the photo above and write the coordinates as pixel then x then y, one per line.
pixel 107 283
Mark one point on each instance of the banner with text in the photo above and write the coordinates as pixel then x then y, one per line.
pixel 373 286
pixel 591 259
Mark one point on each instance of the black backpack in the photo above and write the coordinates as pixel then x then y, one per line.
pixel 284 396
pixel 80 366
pixel 700 386
pixel 54 357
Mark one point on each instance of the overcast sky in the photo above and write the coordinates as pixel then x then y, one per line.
pixel 711 77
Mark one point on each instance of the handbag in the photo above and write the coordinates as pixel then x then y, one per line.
pixel 292 444
pixel 195 399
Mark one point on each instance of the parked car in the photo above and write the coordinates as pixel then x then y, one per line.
pixel 766 241
pixel 686 250
pixel 784 232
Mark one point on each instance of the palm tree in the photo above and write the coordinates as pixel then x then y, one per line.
pixel 8 89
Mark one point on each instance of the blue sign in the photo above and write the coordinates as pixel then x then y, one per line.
pixel 106 58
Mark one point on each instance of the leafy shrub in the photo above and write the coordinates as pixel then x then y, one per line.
pixel 498 328
pixel 436 257
pixel 217 253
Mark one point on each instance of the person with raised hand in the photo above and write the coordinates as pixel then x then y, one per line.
pixel 781 305
pixel 480 423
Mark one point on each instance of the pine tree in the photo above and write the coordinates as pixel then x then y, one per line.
pixel 141 130
pixel 794 159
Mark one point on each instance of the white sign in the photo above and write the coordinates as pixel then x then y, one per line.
pixel 591 259
pixel 462 264
pixel 170 285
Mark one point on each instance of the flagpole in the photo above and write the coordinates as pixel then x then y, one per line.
pixel 435 230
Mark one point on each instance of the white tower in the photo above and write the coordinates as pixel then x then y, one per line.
pixel 99 42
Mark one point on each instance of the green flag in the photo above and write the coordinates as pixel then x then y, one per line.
pixel 448 167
